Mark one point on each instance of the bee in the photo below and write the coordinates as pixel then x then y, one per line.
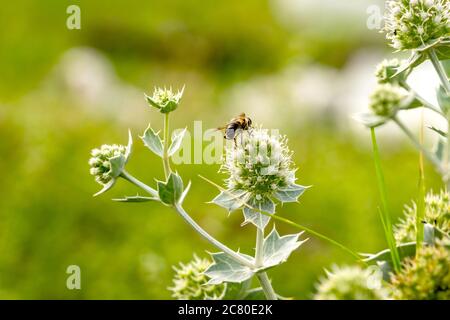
pixel 235 126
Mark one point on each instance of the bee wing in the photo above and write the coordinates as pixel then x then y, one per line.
pixel 230 133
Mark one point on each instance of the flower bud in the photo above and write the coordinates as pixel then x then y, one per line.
pixel 386 99
pixel 100 161
pixel 165 99
pixel 386 70
pixel 190 282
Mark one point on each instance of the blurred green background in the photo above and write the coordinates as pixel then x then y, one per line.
pixel 292 65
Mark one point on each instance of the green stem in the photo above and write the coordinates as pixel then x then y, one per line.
pixel 166 161
pixel 420 214
pixel 418 145
pixel 439 69
pixel 259 247
pixel 139 183
pixel 267 286
pixel 262 276
pixel 384 210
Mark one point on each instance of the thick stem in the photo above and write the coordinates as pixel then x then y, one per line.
pixel 166 162
pixel 439 69
pixel 267 286
pixel 419 146
pixel 259 247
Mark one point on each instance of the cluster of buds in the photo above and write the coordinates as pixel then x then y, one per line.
pixel 386 70
pixel 100 161
pixel 191 283
pixel 387 99
pixel 410 24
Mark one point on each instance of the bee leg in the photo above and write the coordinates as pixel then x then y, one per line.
pixel 235 141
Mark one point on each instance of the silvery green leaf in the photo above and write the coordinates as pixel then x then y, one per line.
pixel 226 269
pixel 404 250
pixel 290 193
pixel 231 199
pixel 442 133
pixel 117 165
pixel 236 291
pixel 276 249
pixel 369 119
pixel 136 198
pixel 439 148
pixel 444 100
pixel 177 139
pixel 106 187
pixel 152 141
pixel 170 191
pixel 254 216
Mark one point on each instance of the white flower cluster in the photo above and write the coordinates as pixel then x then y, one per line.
pixel 409 24
pixel 259 164
pixel 100 164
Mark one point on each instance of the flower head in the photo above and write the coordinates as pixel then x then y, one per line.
pixel 349 283
pixel 437 213
pixel 387 99
pixel 425 277
pixel 100 163
pixel 386 70
pixel 165 100
pixel 259 164
pixel 411 24
pixel 190 282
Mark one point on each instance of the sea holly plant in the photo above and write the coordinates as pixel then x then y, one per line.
pixel 260 172
pixel 260 176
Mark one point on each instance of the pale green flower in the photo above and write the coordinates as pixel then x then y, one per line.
pixel 165 100
pixel 349 283
pixel 386 70
pixel 425 277
pixel 387 99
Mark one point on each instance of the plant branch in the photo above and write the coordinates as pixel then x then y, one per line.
pixel 139 183
pixel 422 100
pixel 259 247
pixel 266 286
pixel 166 161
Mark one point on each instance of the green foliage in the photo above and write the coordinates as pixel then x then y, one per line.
pixel 171 191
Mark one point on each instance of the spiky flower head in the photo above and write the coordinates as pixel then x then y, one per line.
pixel 386 70
pixel 425 277
pixel 259 164
pixel 351 283
pixel 165 99
pixel 437 214
pixel 386 99
pixel 191 283
pixel 100 162
pixel 410 24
